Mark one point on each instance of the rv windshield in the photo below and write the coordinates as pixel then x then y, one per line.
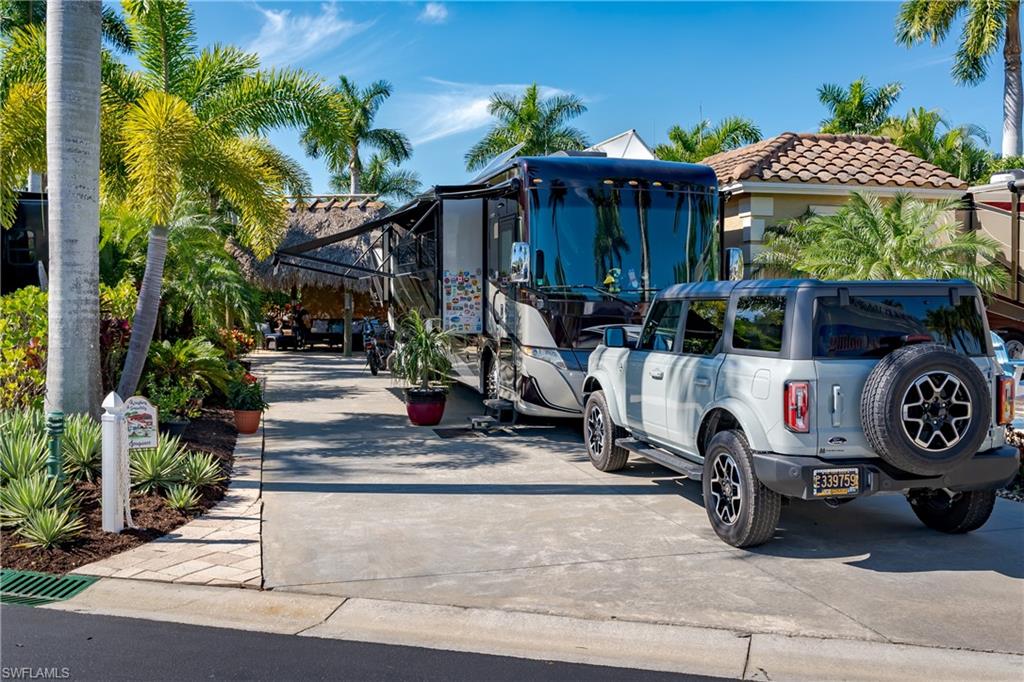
pixel 620 240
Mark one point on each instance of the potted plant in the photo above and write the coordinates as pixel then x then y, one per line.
pixel 245 397
pixel 177 404
pixel 421 359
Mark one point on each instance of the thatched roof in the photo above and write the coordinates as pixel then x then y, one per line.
pixel 311 219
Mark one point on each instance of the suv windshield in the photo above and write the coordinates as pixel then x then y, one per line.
pixel 620 239
pixel 872 326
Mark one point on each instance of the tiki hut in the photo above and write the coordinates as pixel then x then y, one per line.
pixel 319 285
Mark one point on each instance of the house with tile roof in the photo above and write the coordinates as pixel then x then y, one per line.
pixel 769 182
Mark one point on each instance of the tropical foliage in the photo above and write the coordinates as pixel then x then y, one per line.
pixel 958 150
pixel 422 355
pixel 15 14
pixel 81 448
pixel 23 326
pixel 859 108
pixel 383 177
pixel 539 123
pixel 986 27
pixel 348 125
pixel 867 238
pixel 706 139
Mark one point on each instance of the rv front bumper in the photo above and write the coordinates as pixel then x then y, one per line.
pixel 794 476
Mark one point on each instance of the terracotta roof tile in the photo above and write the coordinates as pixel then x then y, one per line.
pixel 830 159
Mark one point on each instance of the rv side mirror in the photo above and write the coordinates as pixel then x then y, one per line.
pixel 734 264
pixel 520 265
pixel 615 337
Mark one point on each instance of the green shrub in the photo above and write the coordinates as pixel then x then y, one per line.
pixel 175 399
pixel 156 469
pixel 23 348
pixel 182 497
pixel 201 469
pixel 22 454
pixel 119 301
pixel 20 498
pixel 50 527
pixel 81 448
pixel 195 359
pixel 246 395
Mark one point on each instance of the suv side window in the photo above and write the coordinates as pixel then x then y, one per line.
pixel 705 320
pixel 660 331
pixel 759 323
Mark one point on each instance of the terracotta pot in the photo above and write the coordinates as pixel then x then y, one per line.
pixel 248 421
pixel 425 407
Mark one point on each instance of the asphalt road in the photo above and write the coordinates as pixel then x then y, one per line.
pixel 63 645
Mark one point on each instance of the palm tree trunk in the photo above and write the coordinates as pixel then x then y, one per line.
pixel 354 171
pixel 146 310
pixel 73 164
pixel 1012 83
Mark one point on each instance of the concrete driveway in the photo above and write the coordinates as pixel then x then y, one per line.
pixel 359 503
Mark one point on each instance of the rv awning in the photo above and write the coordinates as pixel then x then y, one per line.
pixel 405 216
pixel 502 189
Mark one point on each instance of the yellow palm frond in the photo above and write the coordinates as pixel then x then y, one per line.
pixel 22 142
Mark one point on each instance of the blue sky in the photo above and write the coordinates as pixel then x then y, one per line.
pixel 636 65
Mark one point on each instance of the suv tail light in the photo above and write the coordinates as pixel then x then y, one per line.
pixel 797 406
pixel 1005 401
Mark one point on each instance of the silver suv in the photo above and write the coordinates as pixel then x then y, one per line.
pixel 766 390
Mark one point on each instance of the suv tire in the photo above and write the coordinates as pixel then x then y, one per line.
pixel 600 434
pixel 750 517
pixel 959 513
pixel 949 403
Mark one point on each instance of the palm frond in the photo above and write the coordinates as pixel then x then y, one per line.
pixel 164 38
pixel 22 142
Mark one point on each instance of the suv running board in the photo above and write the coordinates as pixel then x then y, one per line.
pixel 691 470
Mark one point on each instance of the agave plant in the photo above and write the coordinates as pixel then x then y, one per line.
pixel 16 422
pixel 182 497
pixel 156 469
pixel 80 446
pixel 20 498
pixel 201 469
pixel 50 527
pixel 22 454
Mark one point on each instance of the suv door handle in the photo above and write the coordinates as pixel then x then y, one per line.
pixel 657 374
pixel 702 382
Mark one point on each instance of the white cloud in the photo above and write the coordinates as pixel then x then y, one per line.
pixel 434 13
pixel 455 108
pixel 286 38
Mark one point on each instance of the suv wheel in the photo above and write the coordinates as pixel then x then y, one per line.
pixel 950 512
pixel 599 434
pixel 742 511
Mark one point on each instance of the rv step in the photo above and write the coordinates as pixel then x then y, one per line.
pixel 502 410
pixel 482 423
pixel 691 470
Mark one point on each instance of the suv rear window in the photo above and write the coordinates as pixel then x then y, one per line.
pixel 759 323
pixel 872 326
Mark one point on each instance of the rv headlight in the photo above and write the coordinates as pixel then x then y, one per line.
pixel 547 355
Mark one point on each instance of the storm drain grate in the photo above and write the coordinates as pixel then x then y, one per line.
pixel 32 589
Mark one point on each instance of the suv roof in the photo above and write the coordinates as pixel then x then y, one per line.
pixel 724 289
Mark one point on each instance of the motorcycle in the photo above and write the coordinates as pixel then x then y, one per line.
pixel 378 342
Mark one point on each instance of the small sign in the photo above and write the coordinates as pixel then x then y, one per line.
pixel 141 417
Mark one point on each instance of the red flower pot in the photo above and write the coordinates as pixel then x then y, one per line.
pixel 425 407
pixel 248 421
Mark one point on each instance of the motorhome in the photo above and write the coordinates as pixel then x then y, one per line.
pixel 526 264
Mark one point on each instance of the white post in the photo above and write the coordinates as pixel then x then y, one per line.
pixel 111 501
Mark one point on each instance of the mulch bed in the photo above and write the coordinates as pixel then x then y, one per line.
pixel 213 432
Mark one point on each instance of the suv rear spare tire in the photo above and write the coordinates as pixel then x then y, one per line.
pixel 926 409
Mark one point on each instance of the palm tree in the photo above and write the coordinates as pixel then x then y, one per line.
pixel 858 109
pixel 539 123
pixel 704 139
pixel 987 24
pixel 382 177
pixel 349 125
pixel 904 238
pixel 73 155
pixel 15 14
pixel 957 150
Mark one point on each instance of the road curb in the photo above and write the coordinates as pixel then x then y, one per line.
pixel 628 644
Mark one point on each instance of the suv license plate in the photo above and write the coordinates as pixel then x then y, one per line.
pixel 833 482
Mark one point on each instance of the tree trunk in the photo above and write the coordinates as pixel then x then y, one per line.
pixel 146 311
pixel 354 170
pixel 1012 83
pixel 73 165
